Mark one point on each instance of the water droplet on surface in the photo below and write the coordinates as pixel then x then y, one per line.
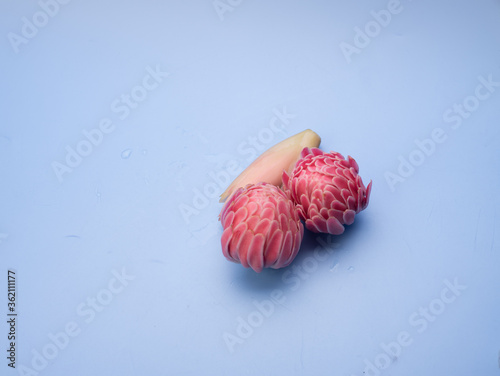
pixel 4 140
pixel 156 261
pixel 335 265
pixel 350 268
pixel 126 153
pixel 3 236
pixel 144 152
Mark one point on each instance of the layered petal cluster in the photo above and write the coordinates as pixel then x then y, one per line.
pixel 327 190
pixel 262 228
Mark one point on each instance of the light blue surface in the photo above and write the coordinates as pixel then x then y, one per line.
pixel 179 308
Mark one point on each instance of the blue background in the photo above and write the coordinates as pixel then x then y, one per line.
pixel 181 308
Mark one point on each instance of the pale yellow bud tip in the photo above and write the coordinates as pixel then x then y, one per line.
pixel 269 166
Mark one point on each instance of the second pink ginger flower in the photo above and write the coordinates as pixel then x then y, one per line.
pixel 261 222
pixel 327 190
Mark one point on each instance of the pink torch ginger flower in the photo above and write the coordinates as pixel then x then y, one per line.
pixel 327 190
pixel 262 228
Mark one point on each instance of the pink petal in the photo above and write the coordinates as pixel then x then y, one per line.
pixel 337 205
pixel 305 152
pixel 304 203
pixel 340 182
pixel 286 250
pixel 227 220
pixel 346 193
pixel 316 151
pixel 240 215
pixel 283 220
pixel 334 226
pixel 339 214
pixel 349 217
pixel 240 201
pixel 335 191
pixel 282 208
pixel 244 247
pixel 256 253
pixel 301 186
pixel 353 187
pixel 252 208
pixel 368 191
pixel 285 178
pixel 329 161
pixel 324 213
pixel 352 203
pixel 252 222
pixel 330 170
pixel 273 248
pixel 268 213
pixel 353 163
pixel 320 223
pixel 227 234
pixel 311 226
pixel 238 232
pixel 263 227
pixel 328 199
